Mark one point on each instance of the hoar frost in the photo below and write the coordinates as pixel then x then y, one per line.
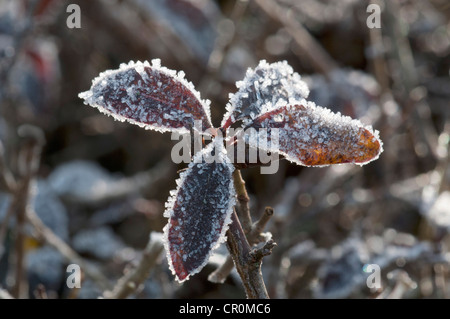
pixel 264 88
pixel 199 211
pixel 271 100
pixel 314 136
pixel 150 96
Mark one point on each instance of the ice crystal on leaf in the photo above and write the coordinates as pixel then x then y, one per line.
pixel 314 136
pixel 199 211
pixel 150 96
pixel 262 89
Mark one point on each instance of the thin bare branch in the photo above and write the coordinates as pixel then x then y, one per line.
pixel 259 226
pixel 242 207
pixel 253 237
pixel 247 262
pixel 258 254
pixel 29 160
pixel 6 177
pixel 219 275
pixel 134 278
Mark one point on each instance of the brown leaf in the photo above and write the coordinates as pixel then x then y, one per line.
pixel 314 136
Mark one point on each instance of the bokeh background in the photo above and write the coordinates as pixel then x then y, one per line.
pixel 101 185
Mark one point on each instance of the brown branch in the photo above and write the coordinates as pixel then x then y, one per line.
pixel 259 226
pixel 253 237
pixel 242 207
pixel 247 261
pixel 29 159
pixel 219 275
pixel 258 254
pixel 131 281
pixel 308 46
pixel 6 177
pixel 4 227
pixel 21 199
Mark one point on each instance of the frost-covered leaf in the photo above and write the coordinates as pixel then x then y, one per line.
pixel 199 211
pixel 314 136
pixel 150 96
pixel 262 90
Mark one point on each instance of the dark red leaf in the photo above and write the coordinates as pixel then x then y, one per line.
pixel 199 211
pixel 150 96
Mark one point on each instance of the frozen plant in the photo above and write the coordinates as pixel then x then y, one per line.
pixel 271 97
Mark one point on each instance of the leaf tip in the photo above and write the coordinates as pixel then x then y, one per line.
pixel 370 142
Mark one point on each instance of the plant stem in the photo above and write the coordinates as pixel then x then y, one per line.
pixel 242 207
pixel 253 237
pixel 21 201
pixel 219 275
pixel 248 262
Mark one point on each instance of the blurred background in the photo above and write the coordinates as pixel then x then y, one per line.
pixel 100 185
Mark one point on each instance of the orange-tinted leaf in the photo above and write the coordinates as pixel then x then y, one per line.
pixel 314 136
